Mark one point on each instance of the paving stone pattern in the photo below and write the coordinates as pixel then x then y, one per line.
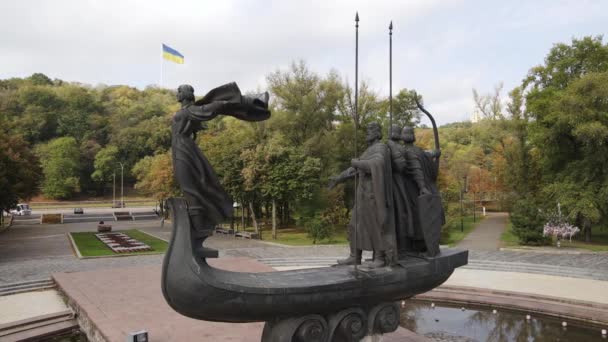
pixel 594 261
pixel 16 265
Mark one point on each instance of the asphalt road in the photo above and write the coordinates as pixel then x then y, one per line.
pixel 90 210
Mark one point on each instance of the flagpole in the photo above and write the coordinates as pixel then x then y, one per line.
pixel 356 128
pixel 161 66
pixel 390 77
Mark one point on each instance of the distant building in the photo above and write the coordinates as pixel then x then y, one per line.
pixel 476 116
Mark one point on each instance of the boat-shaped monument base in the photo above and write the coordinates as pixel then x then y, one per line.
pixel 195 289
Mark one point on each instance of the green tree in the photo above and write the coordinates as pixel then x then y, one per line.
pixel 567 62
pixel 60 161
pixel 520 163
pixel 20 172
pixel 280 173
pixel 574 132
pixel 318 229
pixel 566 99
pixel 35 112
pixel 308 101
pixel 40 79
pixel 527 219
pixel 155 177
pixel 78 104
pixel 368 103
pixel 106 161
pixel 405 110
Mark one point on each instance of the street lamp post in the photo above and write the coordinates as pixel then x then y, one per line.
pixel 473 206
pixel 462 191
pixel 461 218
pixel 122 197
pixel 113 189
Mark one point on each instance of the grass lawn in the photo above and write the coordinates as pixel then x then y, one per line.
pixel 508 238
pixel 299 237
pixel 599 240
pixel 296 236
pixel 90 246
pixel 456 235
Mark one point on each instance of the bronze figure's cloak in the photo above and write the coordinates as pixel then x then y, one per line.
pixel 374 207
pixel 402 200
pixel 420 170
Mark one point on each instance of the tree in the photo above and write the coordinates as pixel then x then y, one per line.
pixel 566 63
pixel 60 160
pixel 155 177
pixel 566 99
pixel 528 221
pixel 40 79
pixel 405 110
pixel 575 132
pixel 368 104
pixel 280 173
pixel 34 113
pixel 105 164
pixel 520 164
pixel 223 147
pixel 78 104
pixel 20 172
pixel 308 101
pixel 318 229
pixel 490 105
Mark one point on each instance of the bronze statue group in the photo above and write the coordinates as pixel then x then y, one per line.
pixel 397 211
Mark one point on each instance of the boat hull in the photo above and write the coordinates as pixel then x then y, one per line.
pixel 195 289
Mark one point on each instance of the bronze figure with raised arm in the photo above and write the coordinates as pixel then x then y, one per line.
pixel 208 203
pixel 372 220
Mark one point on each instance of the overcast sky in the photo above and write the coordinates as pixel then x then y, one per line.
pixel 442 49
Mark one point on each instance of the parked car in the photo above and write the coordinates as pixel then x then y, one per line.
pixel 78 211
pixel 23 209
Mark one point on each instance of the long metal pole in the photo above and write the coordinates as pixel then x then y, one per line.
pixel 122 195
pixel 461 217
pixel 113 189
pixel 473 206
pixel 390 77
pixel 356 129
pixel 161 66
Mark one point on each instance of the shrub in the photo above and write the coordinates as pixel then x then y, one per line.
pixel 50 218
pixel 528 222
pixel 318 229
pixel 452 219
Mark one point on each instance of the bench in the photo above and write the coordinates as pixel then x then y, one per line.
pixel 247 235
pixel 226 231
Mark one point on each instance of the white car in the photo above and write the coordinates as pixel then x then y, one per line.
pixel 23 209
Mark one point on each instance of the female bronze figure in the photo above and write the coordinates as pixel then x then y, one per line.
pixel 208 203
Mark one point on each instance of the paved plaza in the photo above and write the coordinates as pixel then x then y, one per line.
pixel 98 285
pixel 37 251
pixel 115 302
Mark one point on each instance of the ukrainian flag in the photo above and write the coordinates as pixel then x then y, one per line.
pixel 172 55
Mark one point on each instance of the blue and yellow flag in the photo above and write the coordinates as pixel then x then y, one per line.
pixel 172 55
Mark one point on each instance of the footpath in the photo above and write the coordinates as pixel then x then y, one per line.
pixel 486 234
